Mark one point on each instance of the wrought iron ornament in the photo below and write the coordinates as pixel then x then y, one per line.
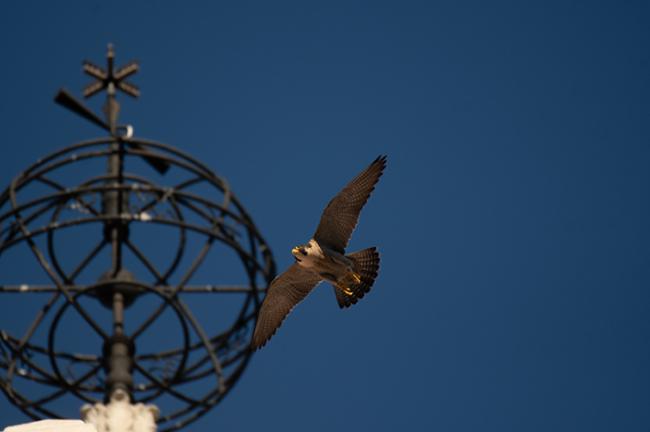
pixel 115 272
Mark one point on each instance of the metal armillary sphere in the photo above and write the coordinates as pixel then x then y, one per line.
pixel 116 270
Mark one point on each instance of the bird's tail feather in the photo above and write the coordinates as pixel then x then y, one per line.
pixel 366 265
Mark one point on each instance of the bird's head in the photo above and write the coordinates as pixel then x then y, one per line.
pixel 299 252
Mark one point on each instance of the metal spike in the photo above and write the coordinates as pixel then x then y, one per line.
pixel 129 88
pixel 94 70
pixel 93 88
pixel 127 70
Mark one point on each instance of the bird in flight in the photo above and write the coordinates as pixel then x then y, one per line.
pixel 323 258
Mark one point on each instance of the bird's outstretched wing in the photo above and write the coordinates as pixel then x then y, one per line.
pixel 285 292
pixel 341 215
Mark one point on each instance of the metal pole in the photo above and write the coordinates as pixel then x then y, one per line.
pixel 119 414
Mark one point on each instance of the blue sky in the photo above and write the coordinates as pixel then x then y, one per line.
pixel 512 218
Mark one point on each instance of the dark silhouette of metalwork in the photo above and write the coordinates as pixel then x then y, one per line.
pixel 100 286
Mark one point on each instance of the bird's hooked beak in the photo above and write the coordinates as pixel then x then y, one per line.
pixel 299 252
pixel 296 252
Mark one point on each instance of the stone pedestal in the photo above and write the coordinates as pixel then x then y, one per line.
pixel 119 415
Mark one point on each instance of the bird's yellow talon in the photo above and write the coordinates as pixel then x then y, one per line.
pixel 348 291
pixel 356 277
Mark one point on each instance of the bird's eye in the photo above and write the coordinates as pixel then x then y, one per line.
pixel 302 251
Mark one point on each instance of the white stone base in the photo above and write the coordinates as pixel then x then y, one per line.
pixel 53 426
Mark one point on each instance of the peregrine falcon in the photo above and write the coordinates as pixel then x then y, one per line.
pixel 324 258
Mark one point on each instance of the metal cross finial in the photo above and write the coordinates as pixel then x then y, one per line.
pixel 110 79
